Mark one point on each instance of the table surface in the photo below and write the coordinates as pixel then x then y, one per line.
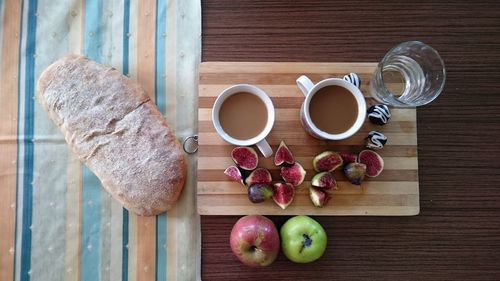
pixel 457 234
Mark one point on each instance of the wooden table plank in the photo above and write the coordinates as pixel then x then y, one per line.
pixel 287 101
pixel 457 234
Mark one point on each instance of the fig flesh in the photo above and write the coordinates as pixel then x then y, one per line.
pixel 283 194
pixel 245 157
pixel 319 198
pixel 294 174
pixel 234 173
pixel 324 180
pixel 327 161
pixel 373 161
pixel 259 192
pixel 259 175
pixel 283 155
pixel 348 157
pixel 355 172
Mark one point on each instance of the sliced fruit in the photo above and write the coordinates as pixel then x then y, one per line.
pixel 318 197
pixel 234 173
pixel 283 155
pixel 355 172
pixel 245 157
pixel 259 175
pixel 348 157
pixel 294 174
pixel 259 192
pixel 327 161
pixel 324 180
pixel 373 161
pixel 283 194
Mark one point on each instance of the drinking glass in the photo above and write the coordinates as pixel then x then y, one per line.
pixel 411 74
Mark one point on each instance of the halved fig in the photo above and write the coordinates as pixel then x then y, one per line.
pixel 283 155
pixel 324 180
pixel 294 174
pixel 355 172
pixel 283 194
pixel 245 157
pixel 318 197
pixel 259 175
pixel 373 161
pixel 348 157
pixel 327 161
pixel 234 173
pixel 259 192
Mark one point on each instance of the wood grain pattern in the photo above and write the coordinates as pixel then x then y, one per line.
pixel 457 234
pixel 231 197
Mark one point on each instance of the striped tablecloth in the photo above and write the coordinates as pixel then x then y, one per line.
pixel 56 222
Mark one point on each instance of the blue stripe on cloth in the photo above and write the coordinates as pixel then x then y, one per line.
pixel 161 242
pixel 160 71
pixel 91 227
pixel 91 30
pixel 27 187
pixel 18 144
pixel 126 29
pixel 125 246
pixel 2 12
pixel 91 193
pixel 160 88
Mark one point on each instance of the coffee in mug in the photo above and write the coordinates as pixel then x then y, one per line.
pixel 243 115
pixel 333 109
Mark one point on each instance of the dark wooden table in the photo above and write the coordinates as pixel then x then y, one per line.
pixel 457 234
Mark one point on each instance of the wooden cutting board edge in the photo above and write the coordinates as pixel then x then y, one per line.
pixel 213 70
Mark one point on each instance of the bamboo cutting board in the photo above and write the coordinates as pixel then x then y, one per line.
pixel 395 192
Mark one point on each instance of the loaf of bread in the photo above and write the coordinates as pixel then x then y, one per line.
pixel 117 131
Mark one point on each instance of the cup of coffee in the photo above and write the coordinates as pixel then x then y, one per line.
pixel 243 115
pixel 333 109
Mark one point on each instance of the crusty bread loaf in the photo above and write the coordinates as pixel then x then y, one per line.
pixel 112 125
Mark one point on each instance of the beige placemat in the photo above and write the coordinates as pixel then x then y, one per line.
pixel 56 222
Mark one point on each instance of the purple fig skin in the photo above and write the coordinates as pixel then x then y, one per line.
pixel 294 174
pixel 283 155
pixel 283 194
pixel 245 157
pixel 319 198
pixel 373 161
pixel 327 161
pixel 260 192
pixel 355 172
pixel 234 173
pixel 324 180
pixel 259 175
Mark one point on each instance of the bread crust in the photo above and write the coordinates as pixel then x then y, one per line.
pixel 117 131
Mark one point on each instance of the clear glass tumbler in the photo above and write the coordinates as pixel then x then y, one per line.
pixel 411 74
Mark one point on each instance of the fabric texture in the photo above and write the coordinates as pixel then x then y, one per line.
pixel 56 221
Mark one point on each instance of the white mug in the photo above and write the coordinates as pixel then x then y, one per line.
pixel 309 90
pixel 260 139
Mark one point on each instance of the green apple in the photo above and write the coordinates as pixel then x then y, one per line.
pixel 303 239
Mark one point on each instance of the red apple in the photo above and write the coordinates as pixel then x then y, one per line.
pixel 255 241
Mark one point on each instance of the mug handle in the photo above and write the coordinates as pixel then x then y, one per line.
pixel 305 84
pixel 264 148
